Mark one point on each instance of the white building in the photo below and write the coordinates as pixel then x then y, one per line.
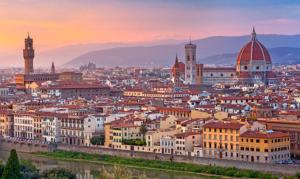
pixel 167 145
pixel 93 125
pixel 23 125
pixel 51 131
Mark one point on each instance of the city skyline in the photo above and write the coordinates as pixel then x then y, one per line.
pixel 184 89
pixel 57 24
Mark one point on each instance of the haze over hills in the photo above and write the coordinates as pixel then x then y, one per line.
pixel 64 54
pixel 212 50
pixel 280 55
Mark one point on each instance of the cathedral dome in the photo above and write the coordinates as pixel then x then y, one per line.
pixel 253 51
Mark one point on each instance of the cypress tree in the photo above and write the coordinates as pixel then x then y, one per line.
pixel 12 168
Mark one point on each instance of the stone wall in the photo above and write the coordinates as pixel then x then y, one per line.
pixel 273 168
pixel 23 146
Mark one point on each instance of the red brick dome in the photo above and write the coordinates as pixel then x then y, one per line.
pixel 253 50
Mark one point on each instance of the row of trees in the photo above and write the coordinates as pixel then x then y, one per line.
pixel 14 169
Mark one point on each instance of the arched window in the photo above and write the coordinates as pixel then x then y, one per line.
pixel 222 75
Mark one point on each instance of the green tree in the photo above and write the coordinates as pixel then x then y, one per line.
pixel 28 170
pixel 143 130
pixel 1 169
pixel 97 140
pixel 12 168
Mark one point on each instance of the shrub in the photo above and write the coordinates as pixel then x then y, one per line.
pixel 58 173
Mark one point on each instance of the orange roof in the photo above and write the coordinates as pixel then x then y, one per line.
pixel 186 134
pixel 264 135
pixel 223 125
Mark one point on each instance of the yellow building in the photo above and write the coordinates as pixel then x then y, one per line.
pixel 6 123
pixel 200 114
pixel 221 139
pixel 107 135
pixel 264 147
pixel 124 131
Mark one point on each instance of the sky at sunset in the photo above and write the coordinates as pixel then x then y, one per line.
pixel 57 23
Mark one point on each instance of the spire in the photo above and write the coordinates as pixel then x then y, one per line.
pixel 176 62
pixel 253 35
pixel 52 68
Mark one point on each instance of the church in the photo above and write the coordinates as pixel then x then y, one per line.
pixel 253 66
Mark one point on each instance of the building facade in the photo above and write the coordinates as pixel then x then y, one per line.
pixel 221 139
pixel 264 147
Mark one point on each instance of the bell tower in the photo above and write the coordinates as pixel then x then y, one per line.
pixel 190 63
pixel 28 54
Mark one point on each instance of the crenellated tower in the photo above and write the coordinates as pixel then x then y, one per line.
pixel 28 54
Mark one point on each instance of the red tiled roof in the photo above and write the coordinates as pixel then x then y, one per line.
pixel 223 125
pixel 186 134
pixel 253 50
pixel 264 135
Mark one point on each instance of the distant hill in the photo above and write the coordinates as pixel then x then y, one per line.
pixel 280 55
pixel 212 50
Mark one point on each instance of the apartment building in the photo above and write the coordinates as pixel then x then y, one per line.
pixel 221 139
pixel 264 146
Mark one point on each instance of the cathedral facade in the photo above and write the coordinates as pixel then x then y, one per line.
pixel 253 66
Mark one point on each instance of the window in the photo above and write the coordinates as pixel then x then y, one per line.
pixel 245 68
pixel 257 68
pixel 222 75
pixel 257 140
pixel 211 74
pixel 265 141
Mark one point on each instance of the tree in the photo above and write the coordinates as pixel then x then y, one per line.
pixel 143 130
pixel 12 168
pixel 28 170
pixel 97 140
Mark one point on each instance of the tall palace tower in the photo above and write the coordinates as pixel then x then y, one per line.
pixel 28 54
pixel 190 63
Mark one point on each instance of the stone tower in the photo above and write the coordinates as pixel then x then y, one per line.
pixel 190 63
pixel 52 68
pixel 28 54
